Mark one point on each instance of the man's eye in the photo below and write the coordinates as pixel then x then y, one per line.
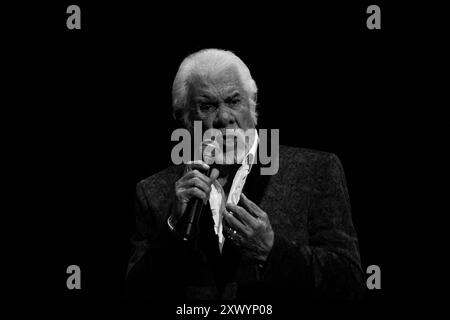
pixel 206 107
pixel 235 101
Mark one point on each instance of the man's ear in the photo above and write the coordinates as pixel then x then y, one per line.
pixel 178 114
pixel 180 117
pixel 186 121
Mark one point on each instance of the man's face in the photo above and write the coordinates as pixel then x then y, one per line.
pixel 220 101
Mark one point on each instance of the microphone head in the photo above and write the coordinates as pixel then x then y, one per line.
pixel 209 151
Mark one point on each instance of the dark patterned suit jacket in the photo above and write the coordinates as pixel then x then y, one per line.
pixel 315 253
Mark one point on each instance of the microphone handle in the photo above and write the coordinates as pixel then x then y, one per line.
pixel 189 225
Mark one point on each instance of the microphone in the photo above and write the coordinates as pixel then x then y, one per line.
pixel 188 226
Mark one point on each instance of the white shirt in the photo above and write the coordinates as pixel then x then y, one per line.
pixel 217 194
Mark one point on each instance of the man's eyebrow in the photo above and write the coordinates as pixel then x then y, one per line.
pixel 204 97
pixel 234 94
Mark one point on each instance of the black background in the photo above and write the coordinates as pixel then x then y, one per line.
pixel 90 116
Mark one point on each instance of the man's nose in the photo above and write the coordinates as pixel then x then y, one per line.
pixel 224 118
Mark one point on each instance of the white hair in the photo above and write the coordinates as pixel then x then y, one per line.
pixel 209 62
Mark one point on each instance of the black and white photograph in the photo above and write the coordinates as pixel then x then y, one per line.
pixel 225 159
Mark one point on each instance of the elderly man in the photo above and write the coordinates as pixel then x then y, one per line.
pixel 286 235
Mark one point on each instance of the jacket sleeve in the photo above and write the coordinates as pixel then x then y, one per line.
pixel 329 266
pixel 154 268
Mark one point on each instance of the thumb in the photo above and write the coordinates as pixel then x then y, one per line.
pixel 214 174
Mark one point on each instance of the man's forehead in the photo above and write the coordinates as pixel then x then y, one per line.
pixel 225 80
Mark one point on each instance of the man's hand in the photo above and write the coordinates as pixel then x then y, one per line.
pixel 249 228
pixel 193 183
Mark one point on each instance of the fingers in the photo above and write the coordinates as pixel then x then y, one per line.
pixel 241 214
pixel 197 164
pixel 251 207
pixel 234 223
pixel 194 180
pixel 197 182
pixel 184 195
pixel 195 186
pixel 195 173
pixel 195 192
